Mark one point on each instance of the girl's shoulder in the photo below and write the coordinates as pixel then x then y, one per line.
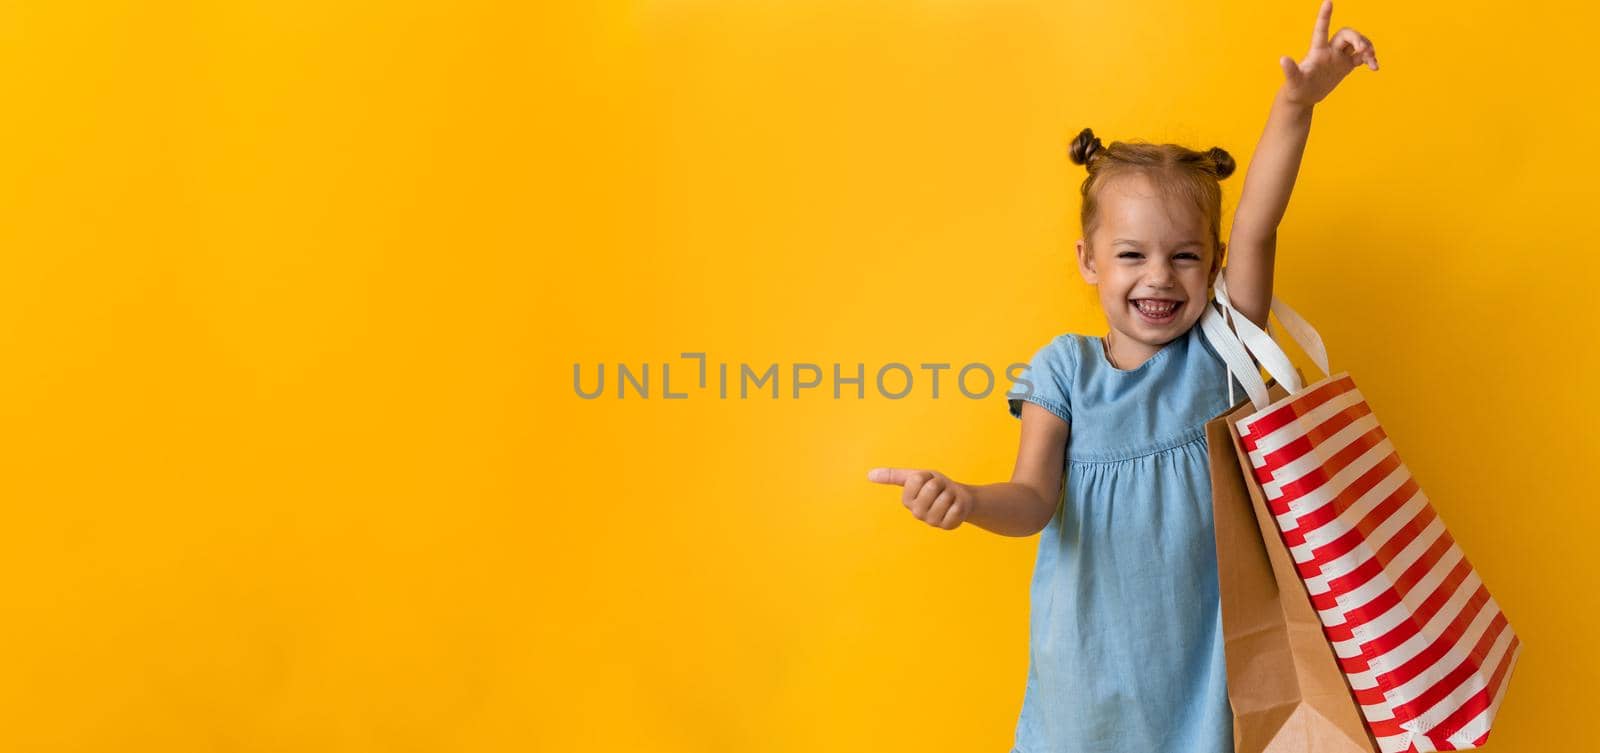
pixel 1066 351
pixel 1050 377
pixel 1072 340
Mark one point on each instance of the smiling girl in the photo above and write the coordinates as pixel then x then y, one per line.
pixel 1125 650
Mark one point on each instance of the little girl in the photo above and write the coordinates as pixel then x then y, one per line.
pixel 1126 652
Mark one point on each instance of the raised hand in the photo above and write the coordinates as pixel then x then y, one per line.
pixel 1328 62
pixel 931 496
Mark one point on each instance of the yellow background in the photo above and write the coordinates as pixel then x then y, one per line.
pixel 293 292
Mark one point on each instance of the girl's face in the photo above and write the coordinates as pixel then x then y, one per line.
pixel 1153 263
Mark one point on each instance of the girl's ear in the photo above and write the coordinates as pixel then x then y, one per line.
pixel 1216 262
pixel 1086 264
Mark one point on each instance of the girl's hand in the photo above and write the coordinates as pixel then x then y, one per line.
pixel 1329 61
pixel 932 497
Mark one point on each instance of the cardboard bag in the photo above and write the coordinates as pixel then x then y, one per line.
pixel 1284 684
pixel 1427 651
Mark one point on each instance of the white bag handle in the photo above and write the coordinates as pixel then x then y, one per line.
pixel 1227 345
pixel 1303 334
pixel 1256 342
pixel 1259 343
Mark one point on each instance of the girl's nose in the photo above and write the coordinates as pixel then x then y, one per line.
pixel 1161 276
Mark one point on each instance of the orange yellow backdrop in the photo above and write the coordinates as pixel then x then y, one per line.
pixel 293 294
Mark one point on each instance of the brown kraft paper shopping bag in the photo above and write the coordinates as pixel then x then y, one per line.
pixel 1284 684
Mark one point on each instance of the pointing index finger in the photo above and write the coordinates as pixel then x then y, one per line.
pixel 1319 36
pixel 888 475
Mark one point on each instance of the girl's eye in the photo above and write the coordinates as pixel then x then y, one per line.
pixel 1136 254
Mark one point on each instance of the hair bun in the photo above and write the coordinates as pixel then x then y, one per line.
pixel 1084 147
pixel 1222 161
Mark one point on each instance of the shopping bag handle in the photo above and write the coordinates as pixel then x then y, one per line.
pixel 1261 344
pixel 1214 326
pixel 1245 339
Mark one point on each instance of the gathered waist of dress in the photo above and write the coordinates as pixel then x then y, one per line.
pixel 1137 449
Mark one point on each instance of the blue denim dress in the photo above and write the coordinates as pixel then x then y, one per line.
pixel 1125 645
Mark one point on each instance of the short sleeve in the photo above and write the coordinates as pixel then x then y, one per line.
pixel 1047 380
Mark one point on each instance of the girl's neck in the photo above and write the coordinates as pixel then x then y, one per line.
pixel 1119 357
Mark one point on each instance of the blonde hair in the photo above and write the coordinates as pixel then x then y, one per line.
pixel 1177 171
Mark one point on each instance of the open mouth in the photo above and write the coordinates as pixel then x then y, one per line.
pixel 1156 310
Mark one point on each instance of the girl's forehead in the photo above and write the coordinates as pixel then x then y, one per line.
pixel 1132 207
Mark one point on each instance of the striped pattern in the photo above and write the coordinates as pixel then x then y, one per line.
pixel 1426 649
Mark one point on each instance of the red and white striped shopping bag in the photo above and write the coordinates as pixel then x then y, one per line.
pixel 1427 651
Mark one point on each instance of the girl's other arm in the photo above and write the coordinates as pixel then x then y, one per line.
pixel 1252 244
pixel 1025 504
pixel 1019 507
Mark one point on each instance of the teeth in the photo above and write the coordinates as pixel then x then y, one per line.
pixel 1156 308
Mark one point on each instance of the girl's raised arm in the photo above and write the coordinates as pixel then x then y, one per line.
pixel 1252 243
